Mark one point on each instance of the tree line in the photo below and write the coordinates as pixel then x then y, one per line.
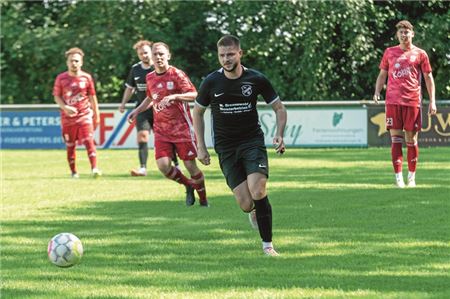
pixel 310 50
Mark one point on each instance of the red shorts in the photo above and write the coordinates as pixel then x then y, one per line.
pixel 79 132
pixel 406 118
pixel 185 150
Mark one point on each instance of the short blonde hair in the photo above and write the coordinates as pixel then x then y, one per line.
pixel 74 51
pixel 142 43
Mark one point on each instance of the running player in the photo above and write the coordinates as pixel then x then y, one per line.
pixel 74 92
pixel 169 90
pixel 404 65
pixel 136 85
pixel 232 93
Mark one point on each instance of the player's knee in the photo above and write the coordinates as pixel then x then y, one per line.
pixel 165 168
pixel 142 136
pixel 258 191
pixel 246 207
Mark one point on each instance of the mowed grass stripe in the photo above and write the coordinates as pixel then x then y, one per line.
pixel 342 228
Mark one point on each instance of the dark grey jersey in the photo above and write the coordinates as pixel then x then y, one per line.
pixel 233 106
pixel 136 80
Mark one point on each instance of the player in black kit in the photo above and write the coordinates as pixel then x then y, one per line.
pixel 136 86
pixel 232 93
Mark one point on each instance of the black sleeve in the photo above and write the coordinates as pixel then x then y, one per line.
pixel 267 91
pixel 130 80
pixel 203 97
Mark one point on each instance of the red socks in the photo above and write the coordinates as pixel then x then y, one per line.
pixel 71 156
pixel 176 175
pixel 396 153
pixel 92 153
pixel 412 155
pixel 198 181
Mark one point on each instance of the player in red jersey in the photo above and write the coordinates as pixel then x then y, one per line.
pixel 404 65
pixel 74 92
pixel 168 91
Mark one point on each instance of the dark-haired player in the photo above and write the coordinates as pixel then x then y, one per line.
pixel 232 93
pixel 404 65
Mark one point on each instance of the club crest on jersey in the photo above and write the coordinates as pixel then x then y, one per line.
pixel 412 58
pixel 246 90
pixel 170 85
pixel 82 84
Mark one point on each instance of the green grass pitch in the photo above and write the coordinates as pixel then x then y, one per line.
pixel 342 229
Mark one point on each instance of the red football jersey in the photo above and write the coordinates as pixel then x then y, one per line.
pixel 405 70
pixel 75 92
pixel 172 122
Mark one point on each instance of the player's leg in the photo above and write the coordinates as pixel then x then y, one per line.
pixel 257 186
pixel 188 152
pixel 236 179
pixel 413 123
pixel 245 201
pixel 163 155
pixel 86 136
pixel 69 136
pixel 255 161
pixel 394 124
pixel 198 181
pixel 143 127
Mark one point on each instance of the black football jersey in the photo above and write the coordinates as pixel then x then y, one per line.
pixel 136 80
pixel 233 105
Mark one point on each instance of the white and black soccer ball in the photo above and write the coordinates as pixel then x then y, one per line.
pixel 65 250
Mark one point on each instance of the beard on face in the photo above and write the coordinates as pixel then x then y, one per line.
pixel 231 67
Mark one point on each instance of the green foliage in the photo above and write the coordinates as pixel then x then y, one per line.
pixel 311 50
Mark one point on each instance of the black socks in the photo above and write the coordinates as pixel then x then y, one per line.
pixel 143 154
pixel 264 218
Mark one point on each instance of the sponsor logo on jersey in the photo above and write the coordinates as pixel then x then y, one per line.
pixel 401 73
pixel 397 65
pixel 170 85
pixel 246 90
pixel 154 96
pixel 75 99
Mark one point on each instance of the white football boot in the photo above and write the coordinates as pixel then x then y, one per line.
pixel 96 173
pixel 411 180
pixel 399 180
pixel 252 219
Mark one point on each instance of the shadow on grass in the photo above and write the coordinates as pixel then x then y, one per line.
pixel 331 243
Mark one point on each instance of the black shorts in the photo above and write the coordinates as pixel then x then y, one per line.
pixel 144 120
pixel 247 158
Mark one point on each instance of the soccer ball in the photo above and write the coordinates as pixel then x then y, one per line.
pixel 65 250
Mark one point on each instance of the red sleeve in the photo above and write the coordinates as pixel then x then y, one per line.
pixel 425 63
pixel 57 90
pixel 91 88
pixel 384 64
pixel 184 84
pixel 147 91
